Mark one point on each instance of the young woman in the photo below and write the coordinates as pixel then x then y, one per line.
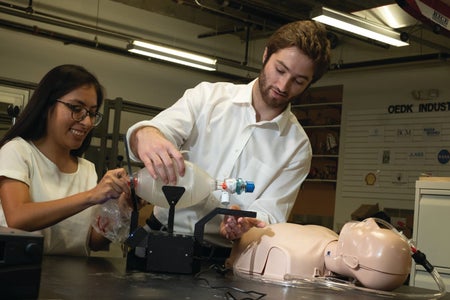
pixel 45 184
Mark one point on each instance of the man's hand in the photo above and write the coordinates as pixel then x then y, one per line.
pixel 161 158
pixel 233 227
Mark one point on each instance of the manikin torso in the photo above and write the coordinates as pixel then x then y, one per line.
pixel 267 252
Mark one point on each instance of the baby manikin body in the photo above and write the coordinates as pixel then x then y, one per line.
pixel 378 258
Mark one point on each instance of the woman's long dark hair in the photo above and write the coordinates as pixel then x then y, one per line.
pixel 31 124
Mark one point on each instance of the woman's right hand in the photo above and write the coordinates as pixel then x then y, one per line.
pixel 113 184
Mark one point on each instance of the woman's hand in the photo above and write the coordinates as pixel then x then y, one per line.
pixel 113 184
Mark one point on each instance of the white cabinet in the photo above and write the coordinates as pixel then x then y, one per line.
pixel 431 225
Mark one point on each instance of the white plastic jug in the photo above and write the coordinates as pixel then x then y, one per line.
pixel 197 183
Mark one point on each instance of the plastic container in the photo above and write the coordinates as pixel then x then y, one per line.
pixel 197 183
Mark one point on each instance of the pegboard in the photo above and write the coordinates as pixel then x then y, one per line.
pixel 385 151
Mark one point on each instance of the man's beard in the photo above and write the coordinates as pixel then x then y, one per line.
pixel 265 89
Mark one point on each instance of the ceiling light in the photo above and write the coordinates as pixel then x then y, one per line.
pixel 172 55
pixel 358 25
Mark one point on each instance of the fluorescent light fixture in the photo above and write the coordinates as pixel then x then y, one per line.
pixel 172 55
pixel 358 25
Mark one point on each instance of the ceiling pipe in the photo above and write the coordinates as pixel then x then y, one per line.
pixel 23 12
pixel 311 3
pixel 67 39
pixel 392 61
pixel 72 40
pixel 233 17
pixel 221 32
pixel 247 27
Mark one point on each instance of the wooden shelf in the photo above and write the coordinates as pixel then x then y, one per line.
pixel 321 126
pixel 319 112
pixel 321 180
pixel 312 105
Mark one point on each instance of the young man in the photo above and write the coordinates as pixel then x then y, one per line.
pixel 245 131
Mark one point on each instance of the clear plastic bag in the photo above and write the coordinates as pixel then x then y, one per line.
pixel 112 220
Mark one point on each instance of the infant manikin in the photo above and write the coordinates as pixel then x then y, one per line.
pixel 378 258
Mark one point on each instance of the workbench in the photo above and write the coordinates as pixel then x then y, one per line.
pixel 78 278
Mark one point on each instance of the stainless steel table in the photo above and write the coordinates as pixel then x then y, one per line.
pixel 107 278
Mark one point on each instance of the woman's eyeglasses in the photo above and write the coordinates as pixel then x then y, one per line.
pixel 79 113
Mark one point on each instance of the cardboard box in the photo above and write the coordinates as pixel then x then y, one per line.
pixel 365 211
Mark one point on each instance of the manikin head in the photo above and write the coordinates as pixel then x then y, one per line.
pixel 378 258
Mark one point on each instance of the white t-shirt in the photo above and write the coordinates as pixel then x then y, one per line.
pixel 21 160
pixel 216 124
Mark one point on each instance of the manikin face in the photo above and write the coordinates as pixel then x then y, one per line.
pixel 63 130
pixel 379 258
pixel 287 73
